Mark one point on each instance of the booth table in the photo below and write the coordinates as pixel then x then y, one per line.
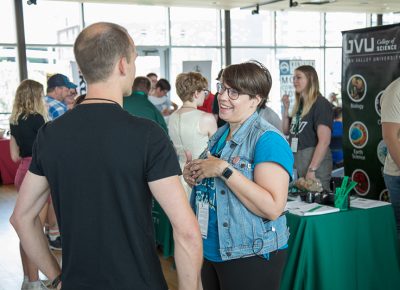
pixel 8 168
pixel 348 250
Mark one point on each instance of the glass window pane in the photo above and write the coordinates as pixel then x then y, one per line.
pixel 337 22
pixel 52 22
pixel 178 55
pixel 44 61
pixel 148 25
pixel 391 18
pixel 195 26
pixel 333 71
pixel 7 22
pixel 9 81
pixel 252 30
pixel 290 31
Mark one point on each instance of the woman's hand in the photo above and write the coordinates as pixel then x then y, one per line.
pixel 199 169
pixel 286 102
pixel 187 176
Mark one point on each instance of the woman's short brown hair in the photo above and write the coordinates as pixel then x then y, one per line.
pixel 188 83
pixel 251 78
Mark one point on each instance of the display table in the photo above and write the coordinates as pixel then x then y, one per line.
pixel 8 168
pixel 354 249
pixel 163 230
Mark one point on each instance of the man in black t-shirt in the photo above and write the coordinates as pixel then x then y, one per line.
pixel 108 165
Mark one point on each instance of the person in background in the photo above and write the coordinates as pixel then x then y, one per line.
pixel 390 111
pixel 240 187
pixel 102 177
pixel 153 77
pixel 207 104
pixel 215 110
pixel 29 113
pixel 333 99
pixel 138 104
pixel 270 116
pixel 337 138
pixel 161 100
pixel 70 99
pixel 58 90
pixel 190 128
pixel 309 127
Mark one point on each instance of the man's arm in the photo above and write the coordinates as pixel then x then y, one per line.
pixel 171 196
pixel 391 134
pixel 25 219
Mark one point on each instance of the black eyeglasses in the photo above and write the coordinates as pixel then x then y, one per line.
pixel 232 93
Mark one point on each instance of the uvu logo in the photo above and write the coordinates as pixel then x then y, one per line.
pixel 360 45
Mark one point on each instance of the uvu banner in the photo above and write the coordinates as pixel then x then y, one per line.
pixel 371 61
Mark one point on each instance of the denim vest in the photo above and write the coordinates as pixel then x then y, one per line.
pixel 242 233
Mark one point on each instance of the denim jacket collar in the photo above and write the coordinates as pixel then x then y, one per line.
pixel 239 136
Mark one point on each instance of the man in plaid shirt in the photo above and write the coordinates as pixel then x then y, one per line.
pixel 58 87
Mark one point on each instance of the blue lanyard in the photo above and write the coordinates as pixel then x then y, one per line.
pixel 217 149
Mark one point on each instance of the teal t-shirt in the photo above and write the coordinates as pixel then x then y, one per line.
pixel 281 154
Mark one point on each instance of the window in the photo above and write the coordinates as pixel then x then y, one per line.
pixel 252 30
pixel 299 29
pixel 9 77
pixel 188 27
pixel 7 22
pixel 52 22
pixel 148 25
pixel 348 21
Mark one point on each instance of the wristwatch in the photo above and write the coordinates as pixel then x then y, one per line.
pixel 55 282
pixel 312 169
pixel 227 172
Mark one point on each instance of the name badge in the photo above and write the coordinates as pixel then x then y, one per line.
pixel 202 218
pixel 294 144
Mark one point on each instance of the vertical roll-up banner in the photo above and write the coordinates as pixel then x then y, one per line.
pixel 371 61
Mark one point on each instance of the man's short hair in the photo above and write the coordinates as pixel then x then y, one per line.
pixel 149 75
pixel 97 50
pixel 163 84
pixel 142 84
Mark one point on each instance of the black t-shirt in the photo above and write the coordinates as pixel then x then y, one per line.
pixel 98 160
pixel 321 113
pixel 25 132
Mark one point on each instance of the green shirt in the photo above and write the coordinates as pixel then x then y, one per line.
pixel 138 105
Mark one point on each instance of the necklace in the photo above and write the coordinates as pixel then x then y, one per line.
pixel 100 99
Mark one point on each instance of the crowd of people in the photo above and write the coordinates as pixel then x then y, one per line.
pixel 219 166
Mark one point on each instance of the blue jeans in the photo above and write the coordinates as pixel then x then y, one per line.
pixel 393 186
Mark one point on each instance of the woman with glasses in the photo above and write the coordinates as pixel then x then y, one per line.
pixel 309 127
pixel 29 113
pixel 188 127
pixel 240 185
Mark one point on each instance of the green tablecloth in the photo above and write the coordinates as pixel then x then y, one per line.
pixel 163 230
pixel 355 249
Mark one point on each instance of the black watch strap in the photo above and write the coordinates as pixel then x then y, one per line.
pixel 55 282
pixel 227 172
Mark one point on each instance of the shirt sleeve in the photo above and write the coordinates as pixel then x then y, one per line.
pixel 36 166
pixel 161 158
pixel 272 147
pixel 323 114
pixel 390 109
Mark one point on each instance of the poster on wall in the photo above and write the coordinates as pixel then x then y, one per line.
pixel 371 61
pixel 286 72
pixel 200 66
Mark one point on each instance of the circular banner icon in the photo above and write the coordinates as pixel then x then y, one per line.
pixel 361 177
pixel 358 134
pixel 381 151
pixel 378 103
pixel 356 88
pixel 384 195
